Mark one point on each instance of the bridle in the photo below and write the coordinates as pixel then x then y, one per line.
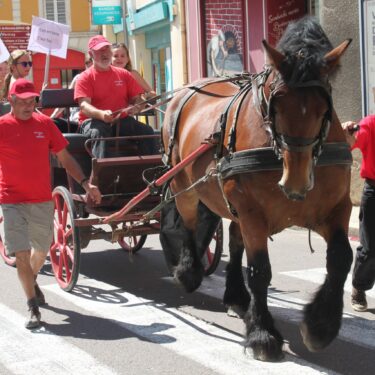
pixel 281 141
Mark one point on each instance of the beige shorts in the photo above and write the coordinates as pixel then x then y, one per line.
pixel 28 225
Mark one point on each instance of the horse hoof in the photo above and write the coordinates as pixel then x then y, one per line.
pixel 190 279
pixel 311 343
pixel 236 311
pixel 268 355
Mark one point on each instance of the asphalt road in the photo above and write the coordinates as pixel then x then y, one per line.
pixel 126 316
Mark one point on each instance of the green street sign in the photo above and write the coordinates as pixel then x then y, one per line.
pixel 106 12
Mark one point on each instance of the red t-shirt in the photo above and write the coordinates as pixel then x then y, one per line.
pixel 365 141
pixel 111 89
pixel 25 148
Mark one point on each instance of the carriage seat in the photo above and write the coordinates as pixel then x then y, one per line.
pixel 59 98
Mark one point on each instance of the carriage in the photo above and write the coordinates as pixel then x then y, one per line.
pixel 120 178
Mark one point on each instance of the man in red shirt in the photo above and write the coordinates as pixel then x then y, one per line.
pixel 364 267
pixel 103 89
pixel 26 141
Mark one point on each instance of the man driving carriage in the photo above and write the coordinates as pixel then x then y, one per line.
pixel 26 140
pixel 101 91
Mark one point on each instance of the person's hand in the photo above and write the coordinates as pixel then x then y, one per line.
pixel 349 129
pixel 93 192
pixel 107 116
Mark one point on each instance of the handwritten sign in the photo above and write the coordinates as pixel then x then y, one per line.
pixel 279 14
pixel 4 54
pixel 49 37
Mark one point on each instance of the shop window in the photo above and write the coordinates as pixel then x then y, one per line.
pixel 314 8
pixel 67 76
pixel 55 10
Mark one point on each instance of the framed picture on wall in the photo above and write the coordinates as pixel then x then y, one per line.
pixel 224 37
pixel 367 22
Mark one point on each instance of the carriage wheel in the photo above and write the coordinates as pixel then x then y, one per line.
pixel 211 258
pixel 132 244
pixel 65 249
pixel 10 261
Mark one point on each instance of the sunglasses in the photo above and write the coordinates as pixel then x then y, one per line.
pixel 26 63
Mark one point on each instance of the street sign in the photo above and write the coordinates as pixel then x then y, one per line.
pixel 15 36
pixel 106 12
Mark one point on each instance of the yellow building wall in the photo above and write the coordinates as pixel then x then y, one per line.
pixel 80 15
pixel 29 8
pixel 6 10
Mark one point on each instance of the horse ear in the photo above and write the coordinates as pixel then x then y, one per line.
pixel 332 58
pixel 273 55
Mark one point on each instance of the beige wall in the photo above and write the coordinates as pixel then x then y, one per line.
pixel 340 20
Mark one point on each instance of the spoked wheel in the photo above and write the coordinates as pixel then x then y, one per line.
pixel 65 250
pixel 212 256
pixel 132 244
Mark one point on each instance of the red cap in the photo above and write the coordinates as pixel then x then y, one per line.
pixel 23 89
pixel 97 42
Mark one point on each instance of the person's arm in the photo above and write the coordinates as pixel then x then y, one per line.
pixel 143 83
pixel 74 170
pixel 90 111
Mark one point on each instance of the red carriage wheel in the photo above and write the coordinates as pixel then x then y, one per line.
pixel 211 258
pixel 10 261
pixel 65 249
pixel 132 244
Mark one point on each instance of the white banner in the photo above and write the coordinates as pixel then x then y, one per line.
pixel 4 54
pixel 49 37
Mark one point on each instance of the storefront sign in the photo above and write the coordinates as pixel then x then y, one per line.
pixel 368 55
pixel 279 13
pixel 106 12
pixel 15 36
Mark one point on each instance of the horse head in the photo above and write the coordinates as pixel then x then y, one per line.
pixel 299 109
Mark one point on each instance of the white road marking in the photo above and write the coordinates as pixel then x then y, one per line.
pixel 317 276
pixel 358 331
pixel 177 331
pixel 40 352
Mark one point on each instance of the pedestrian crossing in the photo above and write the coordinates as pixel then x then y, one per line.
pixel 219 350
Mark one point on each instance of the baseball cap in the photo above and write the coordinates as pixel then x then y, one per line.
pixel 97 42
pixel 23 89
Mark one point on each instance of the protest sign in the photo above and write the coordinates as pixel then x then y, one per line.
pixel 49 37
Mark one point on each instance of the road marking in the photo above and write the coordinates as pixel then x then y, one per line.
pixel 40 352
pixel 175 330
pixel 287 308
pixel 317 276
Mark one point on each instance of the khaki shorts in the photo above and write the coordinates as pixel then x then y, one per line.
pixel 28 225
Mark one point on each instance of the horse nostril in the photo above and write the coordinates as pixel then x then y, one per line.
pixel 292 195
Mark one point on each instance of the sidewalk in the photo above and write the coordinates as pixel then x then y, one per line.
pixel 354 223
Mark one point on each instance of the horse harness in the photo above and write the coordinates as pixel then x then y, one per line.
pixel 265 158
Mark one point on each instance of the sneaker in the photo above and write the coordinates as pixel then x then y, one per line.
pixel 34 321
pixel 39 295
pixel 358 301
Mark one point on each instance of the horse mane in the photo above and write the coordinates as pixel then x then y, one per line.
pixel 304 44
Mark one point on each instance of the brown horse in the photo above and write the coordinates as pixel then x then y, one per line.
pixel 279 158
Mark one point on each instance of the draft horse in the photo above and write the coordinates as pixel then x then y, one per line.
pixel 278 158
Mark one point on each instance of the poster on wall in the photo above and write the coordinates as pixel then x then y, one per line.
pixel 224 37
pixel 278 15
pixel 368 55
